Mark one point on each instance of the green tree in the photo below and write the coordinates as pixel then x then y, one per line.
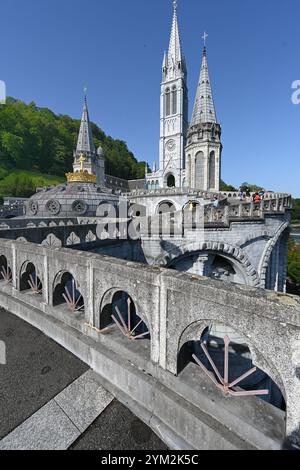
pixel 17 186
pixel 12 145
pixel 294 262
pixel 36 138
pixel 226 187
pixel 296 211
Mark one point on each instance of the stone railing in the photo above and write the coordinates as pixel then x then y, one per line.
pixel 267 195
pixel 176 309
pixel 209 215
pixel 221 195
pixel 174 192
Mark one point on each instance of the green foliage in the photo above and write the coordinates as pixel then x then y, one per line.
pixel 24 183
pixel 296 211
pixel 33 138
pixel 294 262
pixel 226 187
pixel 253 188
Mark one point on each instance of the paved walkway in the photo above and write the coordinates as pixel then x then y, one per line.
pixel 50 400
pixel 63 419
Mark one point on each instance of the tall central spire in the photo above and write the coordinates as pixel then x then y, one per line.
pixel 175 53
pixel 204 108
pixel 85 143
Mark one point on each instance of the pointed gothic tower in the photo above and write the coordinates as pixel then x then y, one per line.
pixel 173 113
pixel 204 147
pixel 88 165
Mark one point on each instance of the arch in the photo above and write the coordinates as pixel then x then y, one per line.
pixel 66 291
pixel 29 279
pixel 164 207
pixel 231 252
pixel 264 263
pixel 117 303
pixel 241 358
pixel 5 270
pixel 170 180
pixel 212 170
pixel 193 203
pixel 199 171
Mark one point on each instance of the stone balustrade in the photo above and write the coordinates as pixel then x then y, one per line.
pixel 196 193
pixel 209 215
pixel 176 308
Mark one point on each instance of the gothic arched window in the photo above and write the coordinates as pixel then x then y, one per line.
pixel 212 170
pixel 174 100
pixel 168 102
pixel 199 171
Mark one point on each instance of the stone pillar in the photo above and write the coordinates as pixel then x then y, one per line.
pixel 14 269
pixel 46 287
pixel 276 268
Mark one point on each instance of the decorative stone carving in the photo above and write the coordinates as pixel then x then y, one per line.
pixel 52 241
pixel 79 207
pixel 90 237
pixel 34 207
pixel 73 239
pixel 53 206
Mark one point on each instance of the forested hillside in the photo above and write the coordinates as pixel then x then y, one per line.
pixel 37 140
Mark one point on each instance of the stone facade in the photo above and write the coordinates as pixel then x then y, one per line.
pixel 64 240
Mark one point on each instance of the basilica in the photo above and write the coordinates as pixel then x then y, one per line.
pixel 237 240
pixel 190 152
pixel 201 268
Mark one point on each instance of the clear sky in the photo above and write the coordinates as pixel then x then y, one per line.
pixel 51 49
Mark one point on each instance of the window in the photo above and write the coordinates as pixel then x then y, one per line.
pixel 168 102
pixel 212 170
pixel 174 100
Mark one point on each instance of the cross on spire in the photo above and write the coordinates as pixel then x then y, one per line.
pixel 175 4
pixel 204 37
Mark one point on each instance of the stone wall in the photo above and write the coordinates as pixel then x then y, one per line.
pixel 176 308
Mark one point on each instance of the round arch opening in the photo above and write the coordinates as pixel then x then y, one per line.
pixel 67 292
pixel 118 309
pixel 29 279
pixel 238 372
pixel 171 183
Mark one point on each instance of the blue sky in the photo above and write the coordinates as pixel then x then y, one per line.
pixel 51 49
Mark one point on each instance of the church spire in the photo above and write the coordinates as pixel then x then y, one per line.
pixel 85 143
pixel 204 108
pixel 175 53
